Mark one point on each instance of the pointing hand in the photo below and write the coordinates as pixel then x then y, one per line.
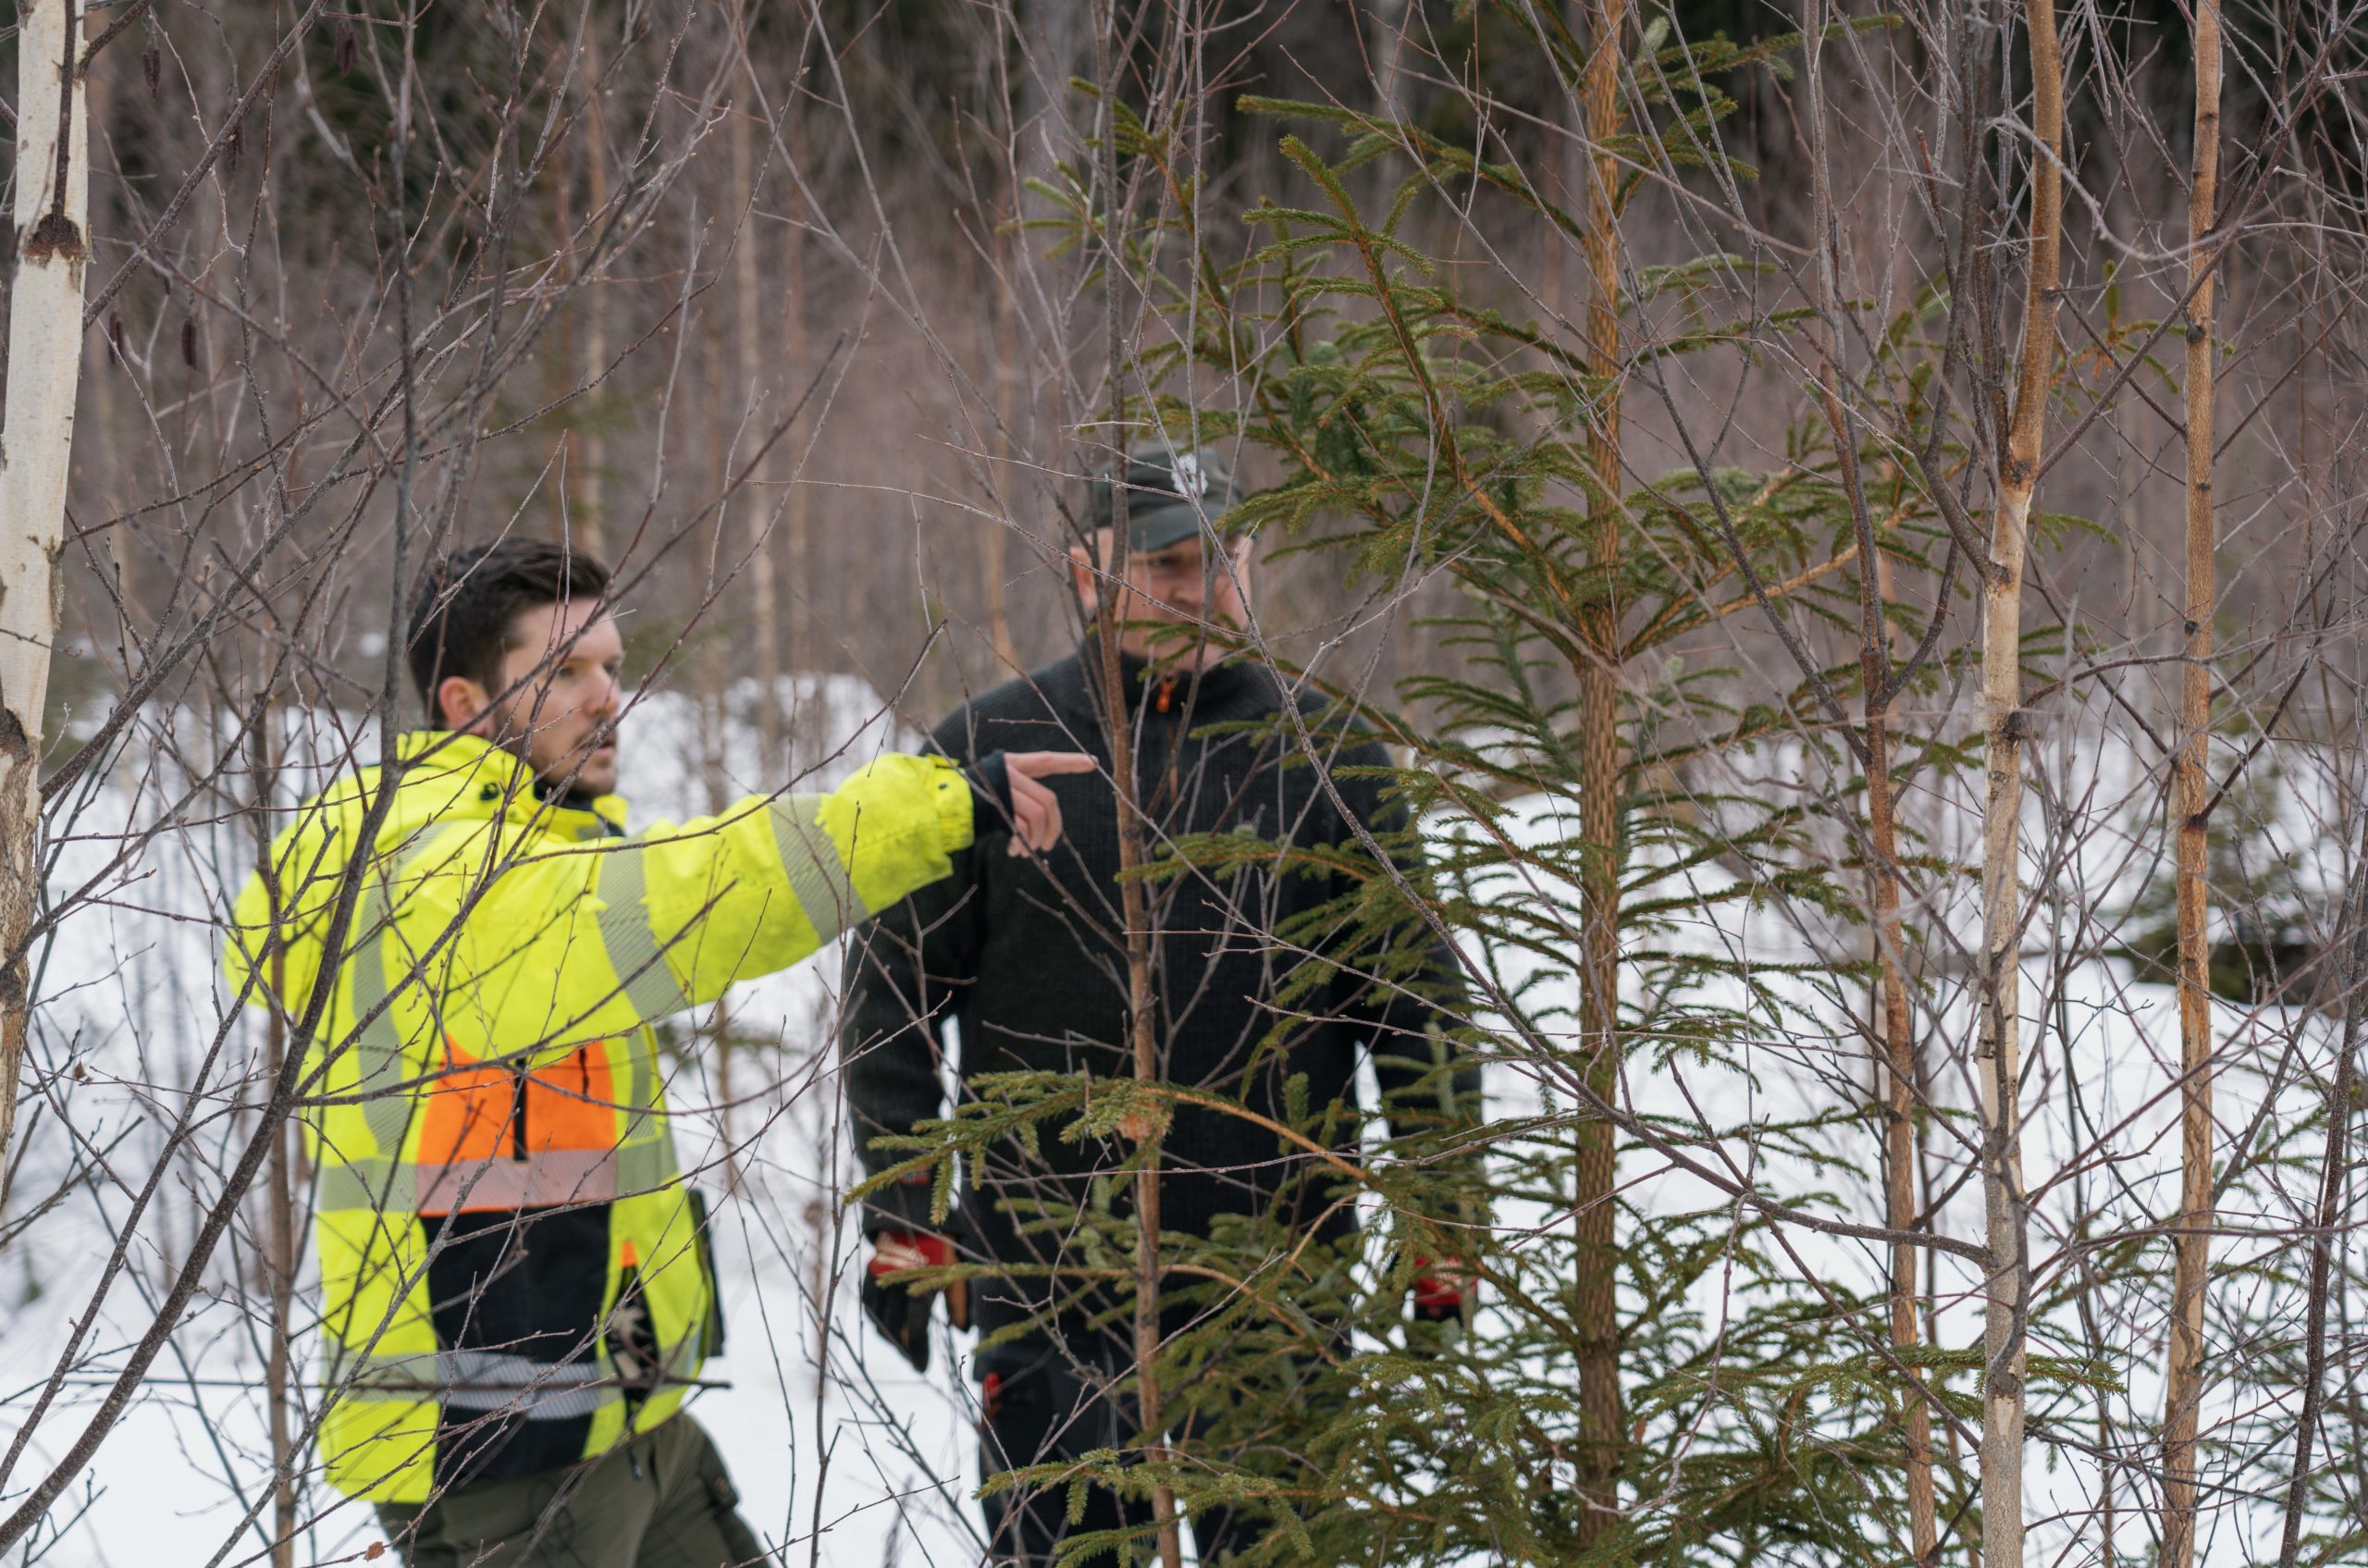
pixel 1010 783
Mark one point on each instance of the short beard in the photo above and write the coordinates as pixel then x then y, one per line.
pixel 562 784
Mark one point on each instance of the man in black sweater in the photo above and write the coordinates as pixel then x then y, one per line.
pixel 1028 955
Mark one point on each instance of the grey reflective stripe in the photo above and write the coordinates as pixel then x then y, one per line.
pixel 539 1390
pixel 535 1404
pixel 824 884
pixel 363 1183
pixel 645 1166
pixel 387 1104
pixel 363 1376
pixel 549 1180
pixel 494 1367
pixel 635 951
pixel 641 1084
pixel 646 1151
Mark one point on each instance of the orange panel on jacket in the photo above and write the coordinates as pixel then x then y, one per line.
pixel 502 1138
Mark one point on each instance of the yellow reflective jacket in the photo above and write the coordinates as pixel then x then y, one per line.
pixel 486 1048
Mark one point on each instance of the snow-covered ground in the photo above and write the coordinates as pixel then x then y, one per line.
pixel 134 1000
pixel 843 1440
pixel 2101 1099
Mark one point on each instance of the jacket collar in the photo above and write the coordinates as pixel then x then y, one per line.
pixel 1148 681
pixel 466 775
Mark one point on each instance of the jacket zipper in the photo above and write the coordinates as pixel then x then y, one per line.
pixel 1166 791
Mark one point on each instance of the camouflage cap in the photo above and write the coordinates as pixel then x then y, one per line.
pixel 1168 493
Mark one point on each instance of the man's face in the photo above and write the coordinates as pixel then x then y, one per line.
pixel 1177 602
pixel 564 661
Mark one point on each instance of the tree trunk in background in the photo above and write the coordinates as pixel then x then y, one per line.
pixel 280 1251
pixel 1604 24
pixel 36 444
pixel 1051 35
pixel 712 414
pixel 1896 1075
pixel 1133 834
pixel 797 506
pixel 1897 1051
pixel 107 379
pixel 765 505
pixel 1008 333
pixel 1386 49
pixel 2191 789
pixel 587 450
pixel 1141 1029
pixel 555 357
pixel 714 724
pixel 2005 1326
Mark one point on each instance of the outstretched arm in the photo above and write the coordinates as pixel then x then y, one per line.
pixel 636 929
pixel 511 952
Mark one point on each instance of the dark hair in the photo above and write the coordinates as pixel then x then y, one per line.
pixel 469 603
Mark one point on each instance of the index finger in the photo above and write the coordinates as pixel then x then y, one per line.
pixel 1036 764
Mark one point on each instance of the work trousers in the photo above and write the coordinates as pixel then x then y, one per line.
pixel 662 1500
pixel 1047 1411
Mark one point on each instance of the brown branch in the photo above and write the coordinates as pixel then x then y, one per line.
pixel 2190 778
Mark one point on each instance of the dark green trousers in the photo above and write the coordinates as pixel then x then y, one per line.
pixel 662 1500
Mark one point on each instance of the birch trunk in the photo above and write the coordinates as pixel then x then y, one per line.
pixel 2007 1292
pixel 2191 789
pixel 36 441
pixel 1601 766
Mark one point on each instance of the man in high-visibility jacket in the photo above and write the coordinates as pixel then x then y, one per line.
pixel 517 1287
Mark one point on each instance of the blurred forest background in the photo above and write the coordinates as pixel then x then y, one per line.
pixel 718 219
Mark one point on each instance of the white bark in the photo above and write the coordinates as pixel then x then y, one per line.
pixel 2006 1309
pixel 36 438
pixel 2007 1305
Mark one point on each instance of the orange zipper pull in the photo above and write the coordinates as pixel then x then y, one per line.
pixel 1167 690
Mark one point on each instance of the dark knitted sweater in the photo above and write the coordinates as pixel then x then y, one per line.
pixel 1028 956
